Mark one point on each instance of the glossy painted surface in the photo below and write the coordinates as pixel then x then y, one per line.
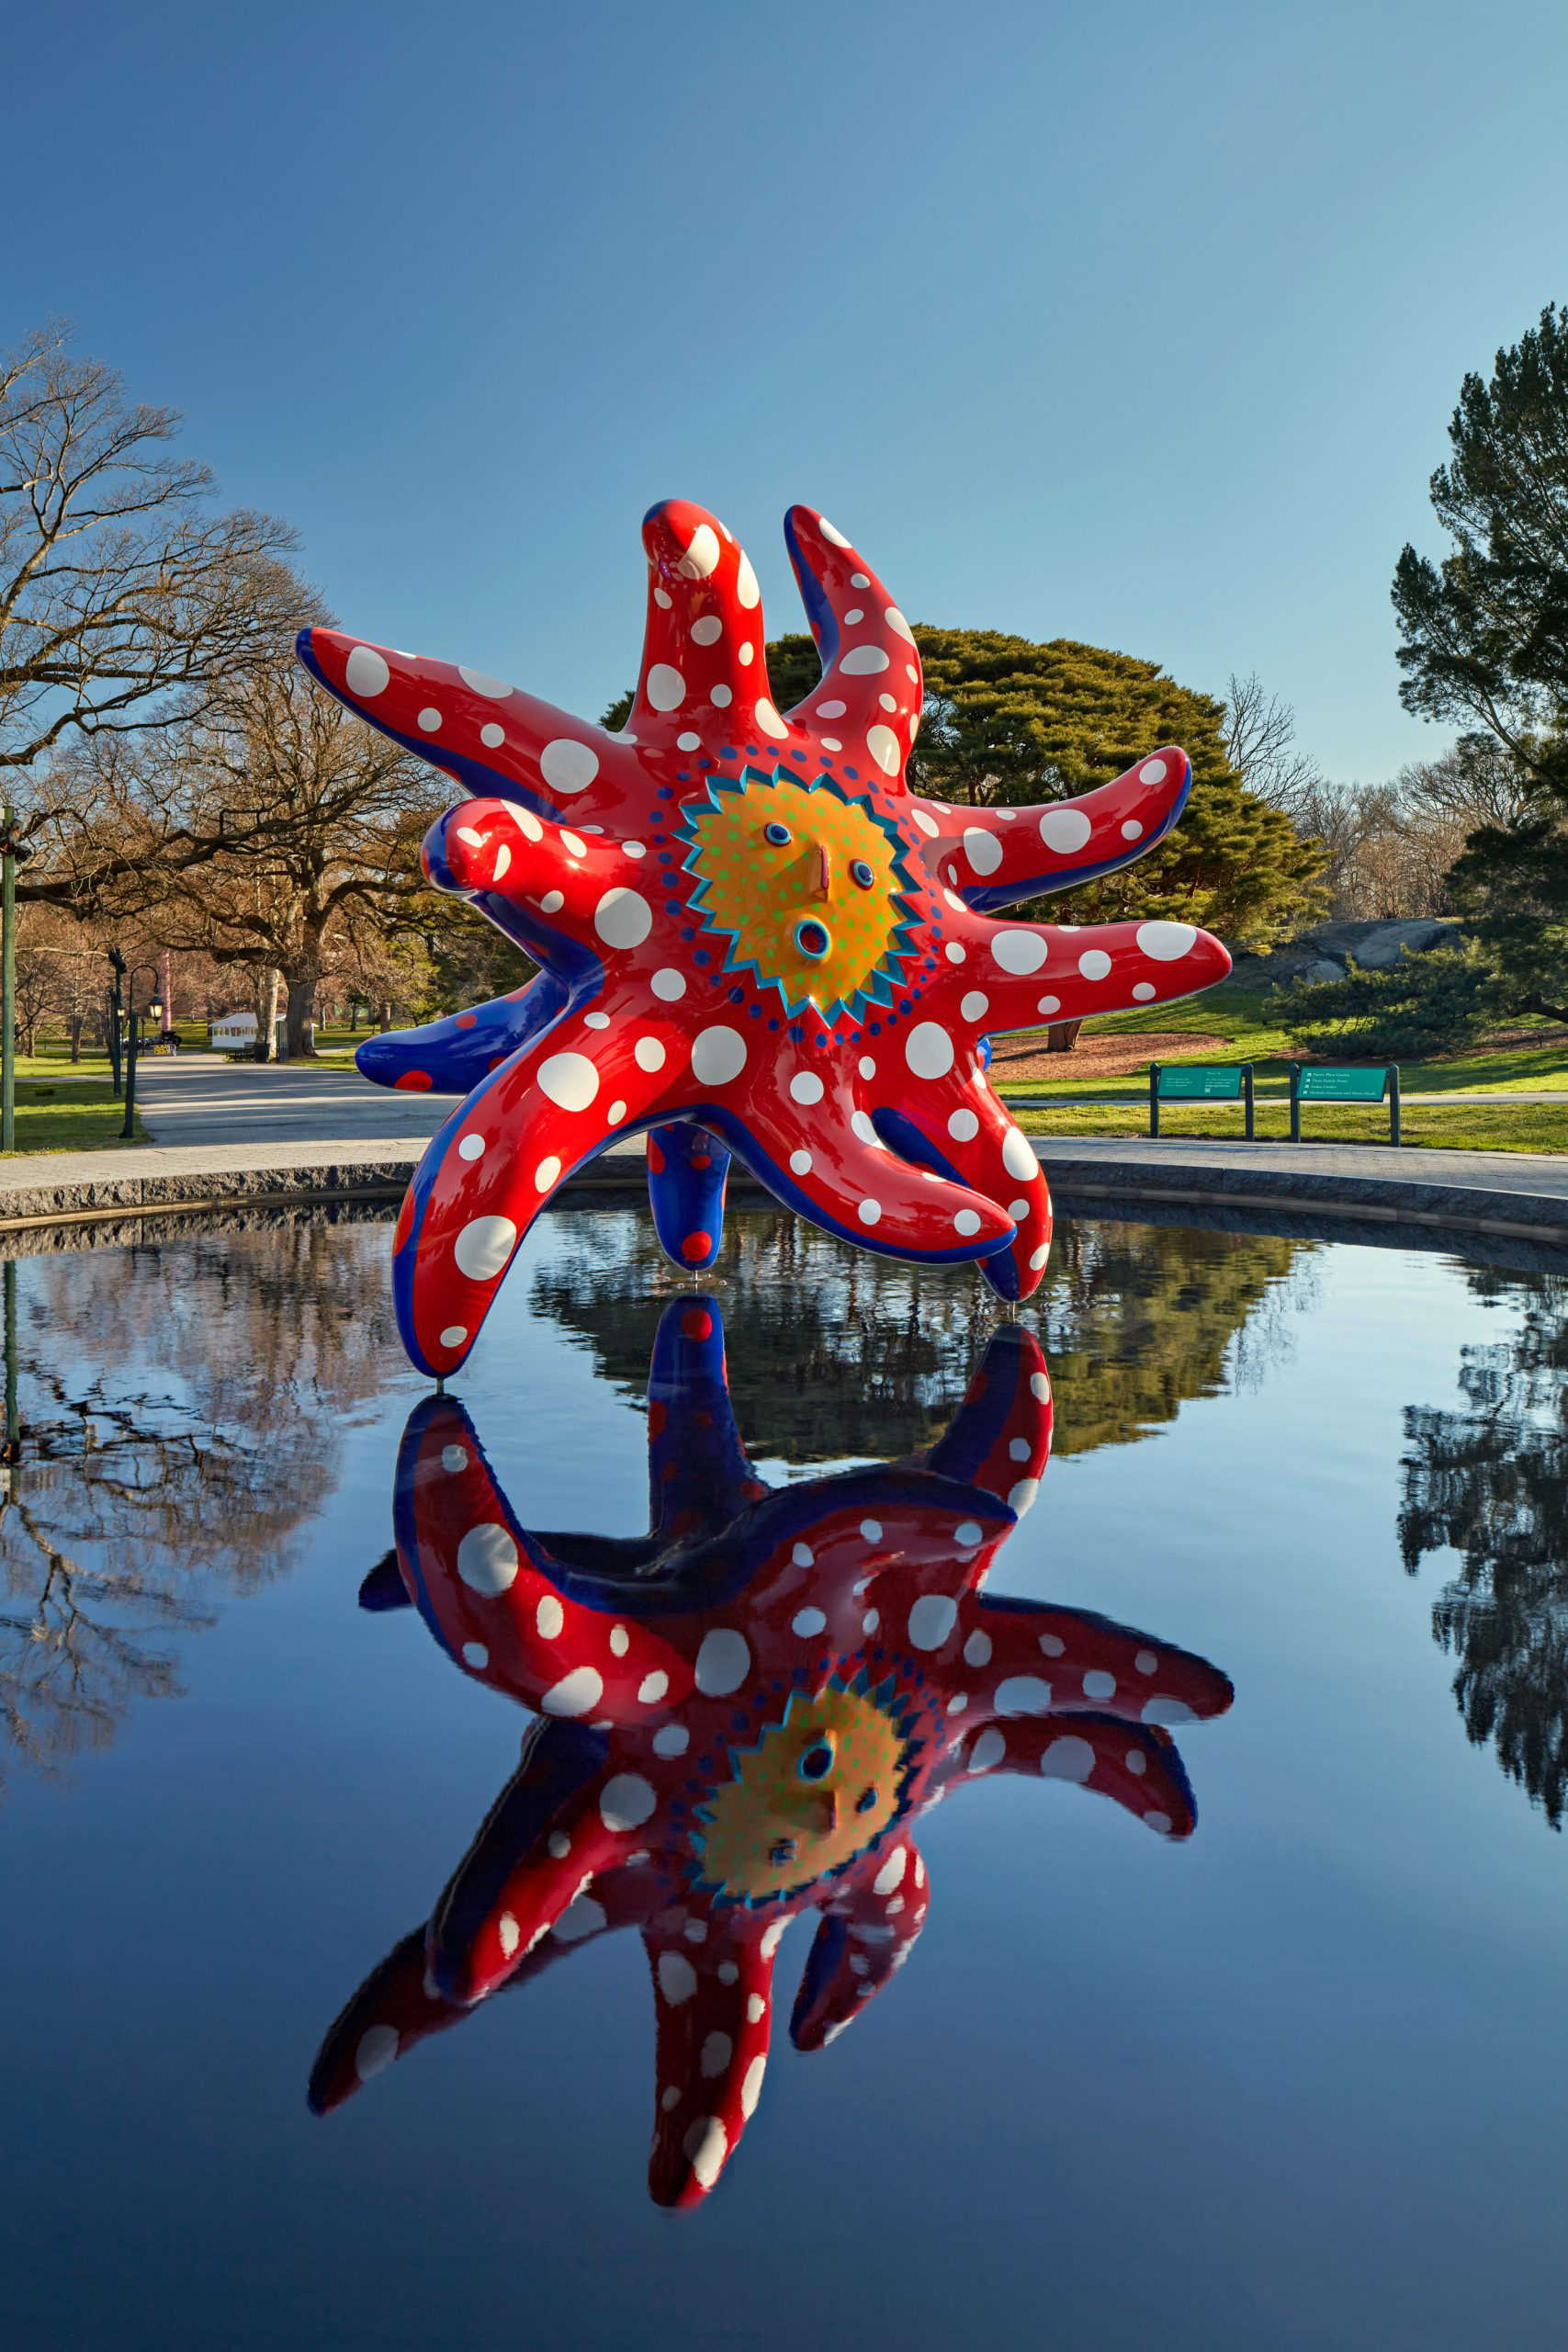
pixel 1296 2080
pixel 753 938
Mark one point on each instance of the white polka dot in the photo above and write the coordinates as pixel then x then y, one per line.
pixel 454 1458
pixel 866 1066
pixel 746 655
pixel 701 558
pixel 863 661
pixel 365 674
pixel 932 1620
pixel 772 1939
pixel 577 1694
pixel 1018 951
pixel 898 625
pixel 861 1127
pixel 800 1164
pixel 805 1087
pixel 1037 1257
pixel 928 825
pixel 1052 1645
pixel 623 918
pixel 928 1049
pixel 1017 1155
pixel 663 599
pixel 648 1053
pixel 620 1640
pixel 475 1655
pixel 715 2055
pixel 545 1174
pixel 453 1334
pixel 1049 1005
pixel 1064 828
pixel 1018 1210
pixel 1094 964
pixel 807 1622
pixel 1144 990
pixel 871 1531
pixel 967 1533
pixel 492 737
pixel 1166 943
pixel 723 1662
pixel 747 592
pixel 831 710
pixel 615 1114
pixel 768 718
pixel 1136 1762
pixel 471 1147
pixel 988 1751
pixel 664 687
pixel 755 2005
pixel 484 1245
pixel 1040 1389
pixel 1145 1661
pixel 376 2048
pixel 429 720
pixel 718 1056
pixel 570 1081
pixel 597 1020
pixel 573 843
pixel 1160 1823
pixel 626 1801
pixel 721 697
pixel 831 744
pixel 552 902
pixel 885 749
pixel 668 985
pixel 478 682
pixel 1132 830
pixel 559 1844
pixel 707 2144
pixel 853 617
pixel 982 849
pixel 567 766
pixel 892 1871
pixel 526 822
pixel 1023 1496
pixel 677 1977
pixel 964 1127
pixel 487 1559
pixel 549 1617
pixel 708 630
pixel 835 538
pixel 1024 1694
pixel 1166 1710
pixel 688 741
pixel 652 1688
pixel 870 1212
pixel 581 1918
pixel 672 1739
pixel 1067 1759
pixel 1152 771
pixel 888 702
pixel 966 1222
pixel 977 1650
pixel 803 1555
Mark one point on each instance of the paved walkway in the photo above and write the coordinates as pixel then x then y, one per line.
pixel 230 1131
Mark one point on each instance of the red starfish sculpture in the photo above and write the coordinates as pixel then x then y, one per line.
pixel 753 938
pixel 743 1714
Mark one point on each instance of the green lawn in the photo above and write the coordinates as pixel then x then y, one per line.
pixel 1467 1126
pixel 67 1118
pixel 1238 1015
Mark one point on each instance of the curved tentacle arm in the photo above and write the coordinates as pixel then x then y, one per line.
pixel 501 1605
pixel 698 1475
pixel 864 1938
pixel 851 1184
pixel 1030 1659
pixel 1027 973
pixel 498 1161
pixel 452 1055
pixel 491 736
pixel 1002 1430
pixel 993 857
pixel 688 1170
pixel 868 698
pixel 491 849
pixel 560 1821
pixel 714 2002
pixel 702 660
pixel 1135 1765
pixel 960 1129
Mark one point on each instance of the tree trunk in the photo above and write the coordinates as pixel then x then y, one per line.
pixel 267 1016
pixel 75 1036
pixel 386 1012
pixel 299 1026
pixel 1062 1036
pixel 1547 1011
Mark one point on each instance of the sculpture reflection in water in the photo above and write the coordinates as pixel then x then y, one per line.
pixel 744 1713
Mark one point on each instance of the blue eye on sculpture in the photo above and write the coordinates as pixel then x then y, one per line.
pixel 813 939
pixel 777 835
pixel 860 875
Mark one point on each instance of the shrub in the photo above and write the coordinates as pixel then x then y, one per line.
pixel 1431 1003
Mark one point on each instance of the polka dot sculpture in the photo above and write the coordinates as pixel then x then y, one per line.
pixel 743 1714
pixel 753 938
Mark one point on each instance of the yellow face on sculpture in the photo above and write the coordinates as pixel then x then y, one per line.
pixel 813 1793
pixel 805 880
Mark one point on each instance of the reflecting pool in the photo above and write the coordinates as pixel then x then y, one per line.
pixel 1152 1712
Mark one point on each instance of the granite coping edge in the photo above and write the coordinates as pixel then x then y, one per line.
pixel 1417 1199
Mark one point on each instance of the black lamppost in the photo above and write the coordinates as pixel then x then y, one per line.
pixel 116 1012
pixel 13 852
pixel 128 1129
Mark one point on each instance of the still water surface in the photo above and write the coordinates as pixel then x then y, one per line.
pixel 1296 2079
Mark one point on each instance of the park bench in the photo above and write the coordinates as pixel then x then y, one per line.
pixel 1343 1082
pixel 1199 1082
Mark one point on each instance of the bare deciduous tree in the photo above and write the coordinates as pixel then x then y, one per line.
pixel 1260 743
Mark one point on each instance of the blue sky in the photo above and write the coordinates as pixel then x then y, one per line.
pixel 1140 325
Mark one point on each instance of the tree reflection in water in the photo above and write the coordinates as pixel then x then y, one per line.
pixel 177 1404
pixel 845 1351
pixel 1490 1481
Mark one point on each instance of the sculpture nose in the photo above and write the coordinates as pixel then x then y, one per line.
pixel 823 875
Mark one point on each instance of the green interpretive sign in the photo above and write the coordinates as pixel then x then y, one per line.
pixel 1331 1084
pixel 1201 1083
